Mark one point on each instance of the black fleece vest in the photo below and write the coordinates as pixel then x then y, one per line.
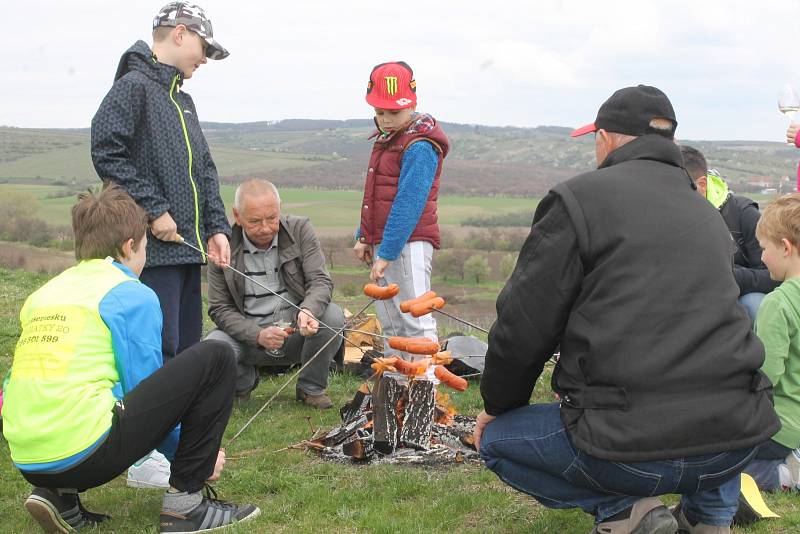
pixel 658 360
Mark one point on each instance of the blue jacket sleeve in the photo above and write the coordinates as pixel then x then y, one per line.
pixel 417 172
pixel 114 128
pixel 133 315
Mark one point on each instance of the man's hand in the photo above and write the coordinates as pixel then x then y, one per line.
pixel 378 268
pixel 219 250
pixel 218 467
pixel 363 252
pixel 791 133
pixel 481 421
pixel 272 337
pixel 307 323
pixel 164 228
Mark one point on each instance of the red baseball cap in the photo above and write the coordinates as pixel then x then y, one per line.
pixel 392 86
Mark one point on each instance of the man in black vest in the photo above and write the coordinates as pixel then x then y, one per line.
pixel 741 216
pixel 628 269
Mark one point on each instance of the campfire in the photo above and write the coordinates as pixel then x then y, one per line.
pixel 400 416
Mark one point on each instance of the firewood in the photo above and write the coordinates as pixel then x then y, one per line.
pixel 361 445
pixel 386 396
pixel 418 417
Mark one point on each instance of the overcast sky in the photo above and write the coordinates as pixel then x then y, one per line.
pixel 508 62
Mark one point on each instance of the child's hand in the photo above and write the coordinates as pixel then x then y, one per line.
pixel 218 467
pixel 363 252
pixel 378 268
pixel 164 228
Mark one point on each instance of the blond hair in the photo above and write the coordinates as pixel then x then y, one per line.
pixel 781 220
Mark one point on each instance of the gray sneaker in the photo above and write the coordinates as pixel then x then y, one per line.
pixel 648 516
pixel 686 527
pixel 60 511
pixel 210 514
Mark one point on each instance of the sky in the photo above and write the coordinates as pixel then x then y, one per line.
pixel 507 63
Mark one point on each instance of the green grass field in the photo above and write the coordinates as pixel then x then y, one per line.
pixel 335 211
pixel 298 492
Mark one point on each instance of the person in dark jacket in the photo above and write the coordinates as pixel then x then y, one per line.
pixel 741 216
pixel 629 270
pixel 146 137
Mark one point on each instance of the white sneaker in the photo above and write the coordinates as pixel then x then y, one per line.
pixel 789 472
pixel 152 471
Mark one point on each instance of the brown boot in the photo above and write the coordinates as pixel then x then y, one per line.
pixel 320 402
pixel 686 527
pixel 648 516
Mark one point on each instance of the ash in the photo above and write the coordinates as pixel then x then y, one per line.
pixel 450 445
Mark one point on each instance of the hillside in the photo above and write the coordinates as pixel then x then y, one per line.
pixel 484 160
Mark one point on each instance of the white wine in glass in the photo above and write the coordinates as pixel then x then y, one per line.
pixel 789 102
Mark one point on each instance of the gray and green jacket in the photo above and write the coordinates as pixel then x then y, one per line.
pixel 146 137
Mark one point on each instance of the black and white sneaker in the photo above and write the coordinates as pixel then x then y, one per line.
pixel 60 511
pixel 210 514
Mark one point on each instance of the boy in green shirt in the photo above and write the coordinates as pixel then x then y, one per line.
pixel 777 464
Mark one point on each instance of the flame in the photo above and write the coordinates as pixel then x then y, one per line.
pixel 445 410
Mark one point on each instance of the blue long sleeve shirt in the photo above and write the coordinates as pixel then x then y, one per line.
pixel 417 171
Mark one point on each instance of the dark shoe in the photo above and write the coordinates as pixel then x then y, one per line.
pixel 210 514
pixel 648 516
pixel 686 527
pixel 60 511
pixel 320 402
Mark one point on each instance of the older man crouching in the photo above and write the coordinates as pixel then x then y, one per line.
pixel 282 253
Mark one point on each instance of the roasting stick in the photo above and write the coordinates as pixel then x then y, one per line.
pixel 284 299
pixel 291 379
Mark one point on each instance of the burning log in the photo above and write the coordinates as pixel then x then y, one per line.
pixel 359 405
pixel 341 433
pixel 418 416
pixel 360 446
pixel 387 396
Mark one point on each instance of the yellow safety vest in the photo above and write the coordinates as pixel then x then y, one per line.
pixel 58 400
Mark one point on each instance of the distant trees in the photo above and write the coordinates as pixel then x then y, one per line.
pixel 507 265
pixel 17 223
pixel 477 268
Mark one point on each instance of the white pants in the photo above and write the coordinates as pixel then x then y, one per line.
pixel 412 272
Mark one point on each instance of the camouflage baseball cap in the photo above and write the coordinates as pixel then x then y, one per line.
pixel 194 18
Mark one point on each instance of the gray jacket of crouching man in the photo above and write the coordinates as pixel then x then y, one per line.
pixel 302 272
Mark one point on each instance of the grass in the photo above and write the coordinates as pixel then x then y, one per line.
pixel 297 492
pixel 330 210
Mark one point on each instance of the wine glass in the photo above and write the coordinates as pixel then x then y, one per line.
pixel 282 317
pixel 788 101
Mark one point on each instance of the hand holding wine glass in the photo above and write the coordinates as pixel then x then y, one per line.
pixel 789 104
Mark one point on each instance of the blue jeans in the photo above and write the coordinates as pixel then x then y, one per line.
pixel 530 450
pixel 751 302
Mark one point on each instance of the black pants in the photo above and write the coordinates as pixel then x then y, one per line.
pixel 195 389
pixel 178 290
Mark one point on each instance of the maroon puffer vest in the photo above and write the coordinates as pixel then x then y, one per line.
pixel 382 177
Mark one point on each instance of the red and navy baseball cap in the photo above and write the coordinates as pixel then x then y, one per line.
pixel 629 111
pixel 392 86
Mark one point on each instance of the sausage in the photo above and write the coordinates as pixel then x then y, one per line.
pixel 405 306
pixel 449 379
pixel 411 368
pixel 426 307
pixel 400 343
pixel 381 293
pixel 423 347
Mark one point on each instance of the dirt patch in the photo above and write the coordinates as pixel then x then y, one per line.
pixel 34 259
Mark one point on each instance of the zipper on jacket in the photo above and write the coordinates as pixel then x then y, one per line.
pixel 191 178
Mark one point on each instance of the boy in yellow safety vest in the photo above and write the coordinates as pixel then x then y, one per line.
pixel 87 394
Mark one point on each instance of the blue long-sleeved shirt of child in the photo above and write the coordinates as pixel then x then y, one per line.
pixel 417 171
